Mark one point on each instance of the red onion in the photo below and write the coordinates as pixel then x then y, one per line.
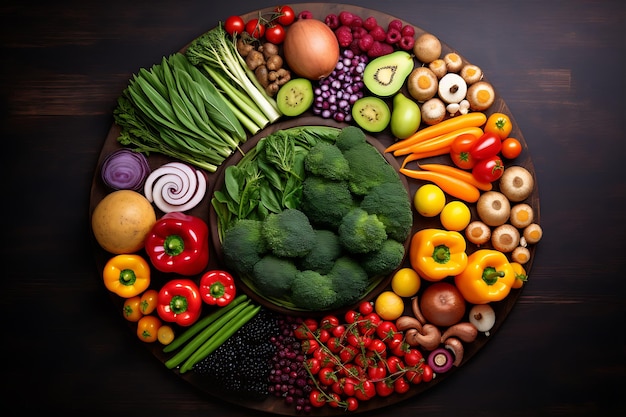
pixel 125 170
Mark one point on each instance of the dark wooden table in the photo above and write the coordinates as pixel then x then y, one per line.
pixel 559 65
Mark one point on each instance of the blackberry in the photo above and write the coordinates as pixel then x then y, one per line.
pixel 241 365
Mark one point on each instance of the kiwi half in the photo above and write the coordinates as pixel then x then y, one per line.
pixel 295 97
pixel 371 113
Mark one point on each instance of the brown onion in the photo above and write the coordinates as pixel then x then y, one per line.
pixel 311 49
pixel 442 304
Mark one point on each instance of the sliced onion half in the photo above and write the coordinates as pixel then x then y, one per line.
pixel 125 170
pixel 175 187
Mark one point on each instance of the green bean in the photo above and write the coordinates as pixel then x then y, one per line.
pixel 220 337
pixel 202 323
pixel 191 347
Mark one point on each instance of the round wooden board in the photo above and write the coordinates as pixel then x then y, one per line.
pixel 276 405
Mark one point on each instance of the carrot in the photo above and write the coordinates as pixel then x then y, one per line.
pixel 458 173
pixel 453 186
pixel 471 119
pixel 415 156
pixel 439 141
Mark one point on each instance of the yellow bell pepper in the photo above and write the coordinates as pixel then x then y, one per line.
pixel 437 253
pixel 126 275
pixel 488 277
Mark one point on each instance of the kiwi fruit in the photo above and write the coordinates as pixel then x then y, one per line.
pixel 371 113
pixel 295 97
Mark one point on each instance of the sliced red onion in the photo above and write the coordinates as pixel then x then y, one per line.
pixel 175 187
pixel 125 170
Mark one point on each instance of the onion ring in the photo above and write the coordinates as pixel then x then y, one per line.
pixel 175 186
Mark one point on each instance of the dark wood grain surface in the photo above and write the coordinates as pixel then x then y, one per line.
pixel 559 65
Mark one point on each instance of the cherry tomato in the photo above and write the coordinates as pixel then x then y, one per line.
pixel 316 398
pixel 377 345
pixel 460 151
pixel 488 170
pixel 511 148
pixel 394 364
pixel 413 357
pixel 486 146
pixel 351 316
pixel 234 25
pixel 326 376
pixel 377 371
pixel 347 354
pixel 275 34
pixel 386 330
pixel 366 307
pixel 132 309
pixel 329 322
pixel 165 334
pixel 147 328
pixel 149 301
pixel 365 391
pixel 255 28
pixel 323 335
pixel 352 403
pixel 427 373
pixel 401 385
pixel 385 387
pixel 500 124
pixel 286 15
pixel 313 365
pixel 334 402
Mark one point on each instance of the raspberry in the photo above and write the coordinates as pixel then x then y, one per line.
pixel 366 42
pixel 305 14
pixel 344 36
pixel 346 18
pixel 354 47
pixel 393 36
pixel 395 24
pixel 406 43
pixel 332 21
pixel 357 22
pixel 358 32
pixel 370 23
pixel 378 33
pixel 379 49
pixel 408 30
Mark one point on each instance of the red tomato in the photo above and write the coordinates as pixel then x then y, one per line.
pixel 377 345
pixel 377 371
pixel 401 385
pixel 511 148
pixel 234 24
pixel 427 373
pixel 275 34
pixel 326 376
pixel 386 330
pixel 385 387
pixel 413 357
pixel 352 403
pixel 316 398
pixel 488 170
pixel 309 346
pixel 394 364
pixel 369 323
pixel 347 354
pixel 313 364
pixel 339 330
pixel 351 316
pixel 255 28
pixel 335 400
pixel 366 307
pixel 460 151
pixel 366 390
pixel 286 15
pixel 349 386
pixel 414 377
pixel 488 145
pixel 323 335
pixel 334 344
pixel 329 322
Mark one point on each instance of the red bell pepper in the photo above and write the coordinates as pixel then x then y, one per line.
pixel 217 288
pixel 179 243
pixel 179 302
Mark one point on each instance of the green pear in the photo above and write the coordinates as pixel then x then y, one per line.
pixel 406 116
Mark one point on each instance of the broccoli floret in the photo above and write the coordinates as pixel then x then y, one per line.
pixel 368 168
pixel 349 279
pixel 384 260
pixel 325 202
pixel 273 275
pixel 391 204
pixel 288 233
pixel 313 291
pixel 243 245
pixel 326 250
pixel 361 232
pixel 350 136
pixel 326 160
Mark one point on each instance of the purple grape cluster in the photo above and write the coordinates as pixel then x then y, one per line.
pixel 288 377
pixel 335 94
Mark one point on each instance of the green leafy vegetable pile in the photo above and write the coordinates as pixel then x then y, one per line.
pixel 313 217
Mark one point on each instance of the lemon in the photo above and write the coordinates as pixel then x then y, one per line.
pixel 429 200
pixel 389 305
pixel 406 282
pixel 455 216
